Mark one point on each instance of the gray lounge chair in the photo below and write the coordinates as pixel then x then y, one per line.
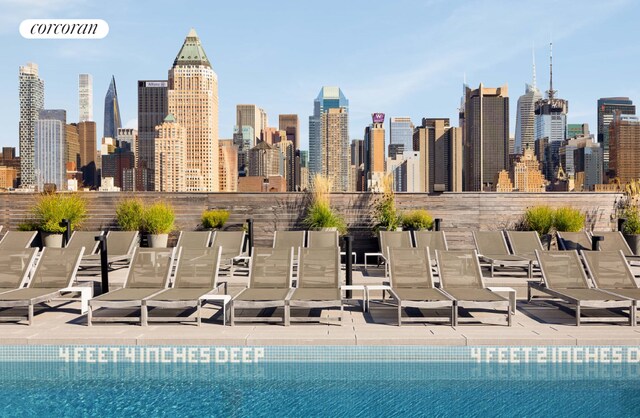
pixel 55 271
pixel 318 282
pixel 525 243
pixel 194 239
pixel 86 239
pixel 412 284
pixel 610 272
pixel 322 239
pixel 433 240
pixel 149 274
pixel 614 241
pixel 578 241
pixel 564 278
pixel 269 285
pixel 17 240
pixel 120 247
pixel 196 276
pixel 15 266
pixel 232 244
pixel 390 239
pixel 492 249
pixel 461 278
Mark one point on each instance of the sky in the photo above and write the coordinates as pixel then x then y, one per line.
pixel 401 57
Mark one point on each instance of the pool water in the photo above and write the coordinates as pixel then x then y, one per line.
pixel 318 389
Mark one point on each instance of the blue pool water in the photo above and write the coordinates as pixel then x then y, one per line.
pixel 318 389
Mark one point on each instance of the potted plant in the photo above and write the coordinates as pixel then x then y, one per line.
pixel 129 214
pixel 629 210
pixel 566 219
pixel 158 221
pixel 385 214
pixel 319 215
pixel 417 220
pixel 539 219
pixel 214 218
pixel 49 211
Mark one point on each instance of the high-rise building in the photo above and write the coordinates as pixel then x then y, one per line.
pixel 589 167
pixel 242 139
pixel 400 133
pixel 152 109
pixel 72 145
pixel 85 97
pixel 10 165
pixel 270 135
pixel 291 125
pixel 171 156
pixel 49 149
pixel 228 166
pixel 486 136
pixel 193 101
pixel 128 138
pixel 253 116
pixel 304 170
pixel 624 147
pixel 526 173
pixel 374 144
pixel 406 172
pixel 606 107
pixel 265 161
pixel 440 155
pixel 112 119
pixel 329 137
pixel 577 129
pixel 288 153
pixel 567 153
pixel 31 103
pixel 88 147
pixel 525 118
pixel 551 123
pixel 358 180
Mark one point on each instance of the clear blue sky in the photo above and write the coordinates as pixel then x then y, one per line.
pixel 403 58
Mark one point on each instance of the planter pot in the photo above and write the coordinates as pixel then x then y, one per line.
pixel 51 240
pixel 634 242
pixel 332 228
pixel 157 240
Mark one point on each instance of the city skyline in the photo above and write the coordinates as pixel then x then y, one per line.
pixel 413 81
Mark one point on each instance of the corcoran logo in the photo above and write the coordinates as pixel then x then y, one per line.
pixel 64 28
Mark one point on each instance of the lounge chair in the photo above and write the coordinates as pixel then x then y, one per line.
pixel 610 272
pixel 614 241
pixel 492 249
pixel 433 240
pixel 525 243
pixel 149 274
pixel 54 272
pixel 389 239
pixel 322 239
pixel 86 239
pixel 232 243
pixel 196 276
pixel 15 266
pixel 17 240
pixel 120 248
pixel 411 283
pixel 461 278
pixel 269 285
pixel 578 241
pixel 194 239
pixel 318 282
pixel 564 278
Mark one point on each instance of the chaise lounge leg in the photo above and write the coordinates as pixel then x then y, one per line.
pixel 578 314
pixel 287 315
pixel 199 314
pixel 30 318
pixel 232 314
pixel 509 314
pixel 399 314
pixel 144 313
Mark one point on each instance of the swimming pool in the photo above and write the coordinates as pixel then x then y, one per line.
pixel 273 386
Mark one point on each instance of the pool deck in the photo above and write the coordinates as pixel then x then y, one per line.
pixel 542 322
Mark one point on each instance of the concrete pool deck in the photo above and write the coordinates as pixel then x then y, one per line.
pixel 541 322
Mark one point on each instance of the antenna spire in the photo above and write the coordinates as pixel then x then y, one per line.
pixel 533 56
pixel 551 91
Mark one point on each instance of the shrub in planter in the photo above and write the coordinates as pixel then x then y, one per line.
pixel 539 219
pixel 416 220
pixel 49 211
pixel 158 221
pixel 320 216
pixel 568 220
pixel 129 214
pixel 215 218
pixel 385 214
pixel 631 225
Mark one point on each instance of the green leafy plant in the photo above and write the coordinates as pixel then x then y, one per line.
pixel 417 219
pixel 214 218
pixel 539 219
pixel 568 219
pixel 129 214
pixel 385 213
pixel 319 212
pixel 50 209
pixel 158 218
pixel 631 225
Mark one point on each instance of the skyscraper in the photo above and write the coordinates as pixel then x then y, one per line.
pixel 31 103
pixel 193 100
pixel 243 137
pixel 329 137
pixel 228 171
pixel 288 155
pixel 440 155
pixel 551 123
pixel 525 118
pixel 400 134
pixel 374 138
pixel 85 97
pixel 485 122
pixel 253 116
pixel 606 107
pixel 152 109
pixel 171 156
pixel 265 161
pixel 49 148
pixel 112 119
pixel 624 147
pixel 291 125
